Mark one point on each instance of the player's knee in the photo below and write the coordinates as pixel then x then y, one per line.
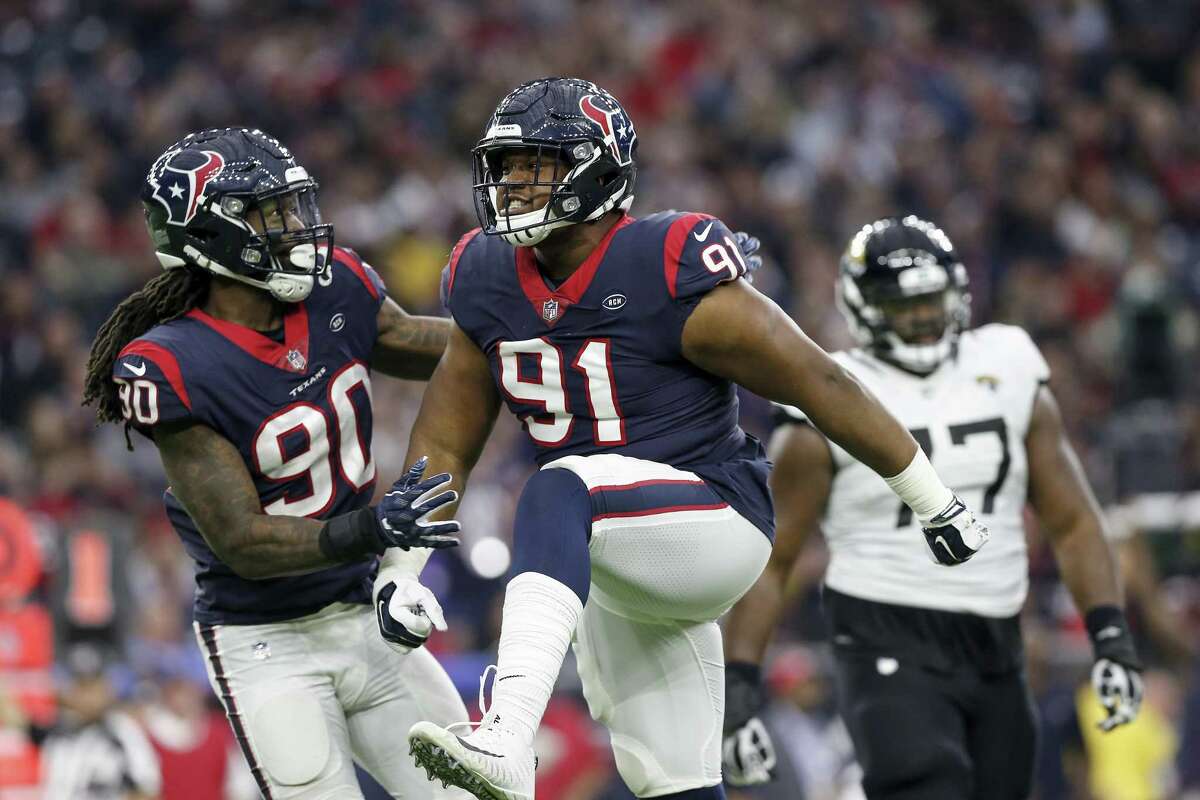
pixel 551 529
pixel 289 735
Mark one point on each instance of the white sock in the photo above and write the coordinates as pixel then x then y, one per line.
pixel 540 615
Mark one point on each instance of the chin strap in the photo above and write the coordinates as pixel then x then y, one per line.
pixel 919 358
pixel 283 286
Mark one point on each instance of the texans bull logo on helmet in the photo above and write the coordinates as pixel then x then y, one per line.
pixel 618 130
pixel 179 179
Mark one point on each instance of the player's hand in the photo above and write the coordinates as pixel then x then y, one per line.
pixel 749 246
pixel 406 611
pixel 1117 673
pixel 954 535
pixel 747 753
pixel 1120 690
pixel 401 514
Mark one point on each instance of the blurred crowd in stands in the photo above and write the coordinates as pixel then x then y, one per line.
pixel 1054 140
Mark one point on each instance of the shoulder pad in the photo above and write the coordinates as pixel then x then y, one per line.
pixel 363 271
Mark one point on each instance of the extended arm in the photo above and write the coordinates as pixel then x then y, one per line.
pixel 457 412
pixel 800 483
pixel 210 478
pixel 408 346
pixel 740 334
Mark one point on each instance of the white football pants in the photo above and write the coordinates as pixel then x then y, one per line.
pixel 309 696
pixel 648 646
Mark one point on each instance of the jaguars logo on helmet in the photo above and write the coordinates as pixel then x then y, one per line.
pixel 234 202
pixel 896 261
pixel 562 121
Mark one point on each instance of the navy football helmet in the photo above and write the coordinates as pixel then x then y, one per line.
pixel 890 265
pixel 234 202
pixel 564 124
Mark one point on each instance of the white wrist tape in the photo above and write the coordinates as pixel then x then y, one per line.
pixel 920 488
pixel 397 563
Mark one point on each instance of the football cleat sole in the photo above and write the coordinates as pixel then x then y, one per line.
pixel 441 766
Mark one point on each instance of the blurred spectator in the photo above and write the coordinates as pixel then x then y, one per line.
pixel 97 752
pixel 196 751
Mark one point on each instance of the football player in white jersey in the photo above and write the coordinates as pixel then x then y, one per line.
pixel 929 662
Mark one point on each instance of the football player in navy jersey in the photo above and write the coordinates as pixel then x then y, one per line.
pixel 248 364
pixel 618 343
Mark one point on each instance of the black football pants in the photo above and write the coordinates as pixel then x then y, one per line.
pixel 936 732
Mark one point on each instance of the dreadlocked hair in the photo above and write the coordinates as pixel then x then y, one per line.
pixel 162 299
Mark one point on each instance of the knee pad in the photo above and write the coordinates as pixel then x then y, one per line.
pixel 290 737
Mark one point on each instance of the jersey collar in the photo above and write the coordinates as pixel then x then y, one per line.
pixel 551 304
pixel 291 355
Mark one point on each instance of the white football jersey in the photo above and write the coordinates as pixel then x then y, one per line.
pixel 971 417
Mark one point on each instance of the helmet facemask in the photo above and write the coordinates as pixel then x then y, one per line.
pixel 569 182
pixel 273 239
pixel 915 321
pixel 289 236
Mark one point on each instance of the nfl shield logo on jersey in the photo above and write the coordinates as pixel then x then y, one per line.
pixel 550 310
pixel 296 360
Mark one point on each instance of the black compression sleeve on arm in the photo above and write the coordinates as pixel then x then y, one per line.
pixel 351 537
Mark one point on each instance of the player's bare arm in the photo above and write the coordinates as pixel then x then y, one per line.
pixel 740 334
pixel 408 346
pixel 457 412
pixel 800 484
pixel 210 478
pixel 1071 518
pixel 1067 510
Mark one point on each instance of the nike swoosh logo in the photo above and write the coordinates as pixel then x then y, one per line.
pixel 139 370
pixel 470 746
pixel 942 541
pixel 1111 632
pixel 702 235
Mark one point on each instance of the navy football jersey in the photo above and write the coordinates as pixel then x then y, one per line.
pixel 595 365
pixel 299 412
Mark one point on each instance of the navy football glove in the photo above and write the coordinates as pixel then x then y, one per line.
pixel 749 246
pixel 954 535
pixel 1117 673
pixel 402 511
pixel 747 753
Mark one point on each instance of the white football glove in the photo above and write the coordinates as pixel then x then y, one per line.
pixel 954 535
pixel 748 755
pixel 1120 690
pixel 406 611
